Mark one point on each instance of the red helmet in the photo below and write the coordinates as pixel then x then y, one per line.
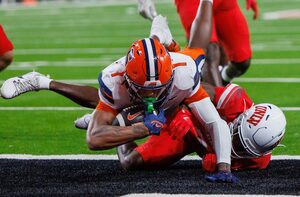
pixel 149 70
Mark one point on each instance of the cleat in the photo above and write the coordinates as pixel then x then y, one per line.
pixel 15 86
pixel 83 122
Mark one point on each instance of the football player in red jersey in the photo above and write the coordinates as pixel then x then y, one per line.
pixel 229 30
pixel 150 75
pixel 6 50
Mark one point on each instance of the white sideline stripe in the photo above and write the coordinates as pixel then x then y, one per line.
pixel 83 108
pixel 70 4
pixel 276 61
pixel 201 195
pixel 283 14
pixel 109 157
pixel 70 51
pixel 268 80
pixel 43 108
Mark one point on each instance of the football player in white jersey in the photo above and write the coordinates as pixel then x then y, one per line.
pixel 149 75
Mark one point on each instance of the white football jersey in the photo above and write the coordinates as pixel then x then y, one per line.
pixel 113 91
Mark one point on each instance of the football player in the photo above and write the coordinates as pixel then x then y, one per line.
pixel 229 29
pixel 151 76
pixel 6 50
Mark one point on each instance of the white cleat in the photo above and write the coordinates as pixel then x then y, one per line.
pixel 83 122
pixel 15 86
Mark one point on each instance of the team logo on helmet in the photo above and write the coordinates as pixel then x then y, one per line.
pixel 149 70
pixel 257 131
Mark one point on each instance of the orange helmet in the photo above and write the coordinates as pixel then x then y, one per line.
pixel 149 70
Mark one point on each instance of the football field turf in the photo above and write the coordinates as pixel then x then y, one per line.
pixel 74 42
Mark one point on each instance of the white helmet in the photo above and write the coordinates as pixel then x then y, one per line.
pixel 257 131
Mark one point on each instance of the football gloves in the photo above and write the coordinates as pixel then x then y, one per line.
pixel 160 29
pixel 147 9
pixel 222 177
pixel 154 122
pixel 181 124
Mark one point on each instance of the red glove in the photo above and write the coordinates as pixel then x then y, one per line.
pixel 253 5
pixel 181 124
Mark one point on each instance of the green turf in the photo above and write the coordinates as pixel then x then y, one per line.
pixel 52 39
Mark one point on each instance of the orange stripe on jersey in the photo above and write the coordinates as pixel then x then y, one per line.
pixel 118 74
pixel 102 106
pixel 179 64
pixel 199 95
pixel 193 53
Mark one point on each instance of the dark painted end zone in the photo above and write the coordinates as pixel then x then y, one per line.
pixel 106 178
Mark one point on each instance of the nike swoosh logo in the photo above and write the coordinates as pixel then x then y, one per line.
pixel 172 98
pixel 133 116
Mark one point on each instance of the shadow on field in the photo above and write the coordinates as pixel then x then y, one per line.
pixel 106 178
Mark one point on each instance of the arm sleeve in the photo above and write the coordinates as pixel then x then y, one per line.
pixel 216 128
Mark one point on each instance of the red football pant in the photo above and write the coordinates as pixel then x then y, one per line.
pixel 229 26
pixel 5 44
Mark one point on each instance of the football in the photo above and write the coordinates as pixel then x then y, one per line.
pixel 129 116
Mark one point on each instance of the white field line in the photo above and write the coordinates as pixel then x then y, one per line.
pixel 96 62
pixel 268 80
pixel 69 51
pixel 43 108
pixel 257 47
pixel 201 195
pixel 282 14
pixel 110 157
pixel 84 109
pixel 46 5
pixel 245 80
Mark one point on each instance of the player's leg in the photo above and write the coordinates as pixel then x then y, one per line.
pixel 6 50
pixel 86 96
pixel 187 10
pixel 210 69
pixel 128 157
pixel 6 59
pixel 234 35
pixel 83 95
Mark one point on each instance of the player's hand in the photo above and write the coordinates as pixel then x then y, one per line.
pixel 161 30
pixel 147 9
pixel 154 122
pixel 174 46
pixel 222 177
pixel 253 5
pixel 181 124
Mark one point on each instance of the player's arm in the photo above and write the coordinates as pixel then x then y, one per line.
pixel 253 5
pixel 102 135
pixel 207 115
pixel 201 26
pixel 146 8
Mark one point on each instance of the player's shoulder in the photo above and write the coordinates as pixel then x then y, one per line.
pixel 185 68
pixel 224 94
pixel 113 73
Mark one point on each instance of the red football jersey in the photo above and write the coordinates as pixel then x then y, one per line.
pixel 230 102
pixel 5 44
